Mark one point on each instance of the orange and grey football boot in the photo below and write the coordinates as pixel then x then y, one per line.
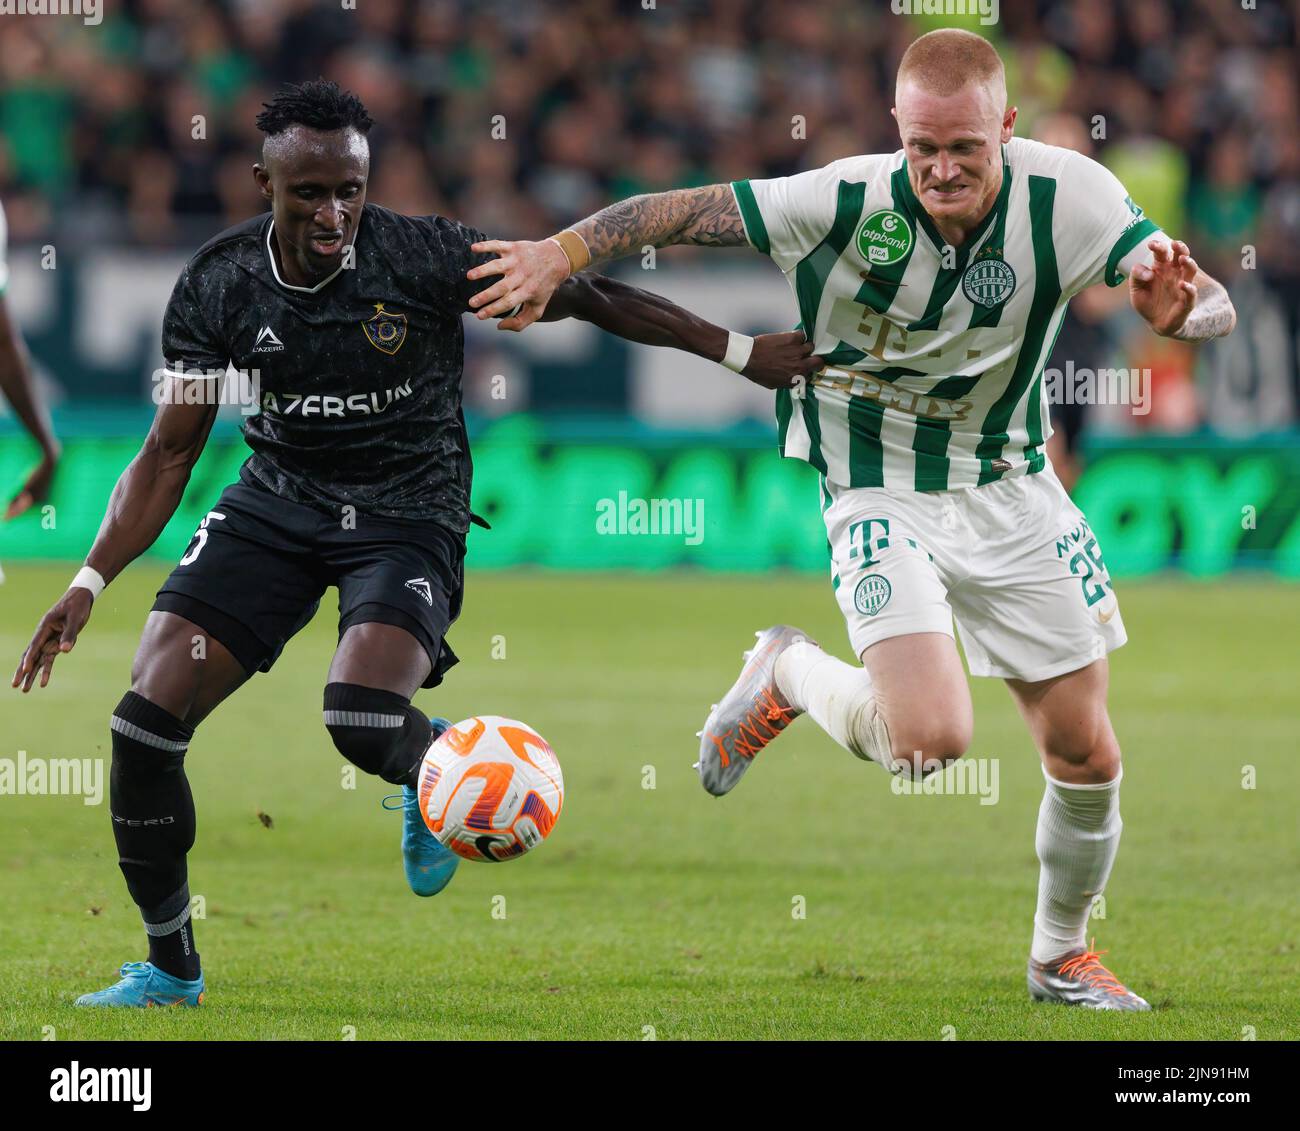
pixel 750 715
pixel 1081 979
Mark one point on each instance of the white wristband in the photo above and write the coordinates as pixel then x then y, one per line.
pixel 88 578
pixel 739 347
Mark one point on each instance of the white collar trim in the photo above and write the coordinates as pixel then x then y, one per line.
pixel 270 254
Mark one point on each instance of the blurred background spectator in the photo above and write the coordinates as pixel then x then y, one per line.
pixel 138 133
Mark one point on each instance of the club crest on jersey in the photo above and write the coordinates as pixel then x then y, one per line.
pixel 988 282
pixel 884 237
pixel 872 594
pixel 386 330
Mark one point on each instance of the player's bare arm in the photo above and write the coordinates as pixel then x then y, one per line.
pixel 777 361
pixel 706 216
pixel 530 271
pixel 145 497
pixel 20 391
pixel 1177 298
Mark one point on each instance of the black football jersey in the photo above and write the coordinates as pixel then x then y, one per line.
pixel 358 377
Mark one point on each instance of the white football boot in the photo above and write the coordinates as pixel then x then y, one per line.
pixel 1081 979
pixel 750 715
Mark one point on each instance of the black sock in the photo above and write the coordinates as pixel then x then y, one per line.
pixel 416 737
pixel 153 824
pixel 378 731
pixel 171 937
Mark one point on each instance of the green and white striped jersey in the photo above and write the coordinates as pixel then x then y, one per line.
pixel 935 353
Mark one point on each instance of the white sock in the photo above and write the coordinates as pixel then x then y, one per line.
pixel 839 698
pixel 1078 836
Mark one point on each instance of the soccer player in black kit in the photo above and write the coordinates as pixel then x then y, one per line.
pixel 359 479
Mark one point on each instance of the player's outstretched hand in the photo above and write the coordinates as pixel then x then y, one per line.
pixel 36 489
pixel 781 361
pixel 57 632
pixel 1164 293
pixel 529 272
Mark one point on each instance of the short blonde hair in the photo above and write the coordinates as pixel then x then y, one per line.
pixel 946 61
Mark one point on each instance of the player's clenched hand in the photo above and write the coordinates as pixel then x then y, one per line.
pixel 780 361
pixel 1164 293
pixel 56 633
pixel 529 272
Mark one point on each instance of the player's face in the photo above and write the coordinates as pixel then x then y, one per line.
pixel 316 183
pixel 953 145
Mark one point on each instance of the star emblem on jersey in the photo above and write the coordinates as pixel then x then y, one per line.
pixel 988 282
pixel 872 594
pixel 267 342
pixel 884 237
pixel 386 330
pixel 421 586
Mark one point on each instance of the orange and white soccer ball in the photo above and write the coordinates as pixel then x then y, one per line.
pixel 490 788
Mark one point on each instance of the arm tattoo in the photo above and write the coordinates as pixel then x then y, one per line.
pixel 1212 316
pixel 707 216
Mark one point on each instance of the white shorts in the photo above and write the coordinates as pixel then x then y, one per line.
pixel 1013 561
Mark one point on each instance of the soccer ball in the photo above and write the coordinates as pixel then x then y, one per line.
pixel 490 788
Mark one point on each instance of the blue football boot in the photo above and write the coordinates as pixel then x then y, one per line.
pixel 429 866
pixel 144 986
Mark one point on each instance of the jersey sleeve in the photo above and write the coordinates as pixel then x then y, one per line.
pixel 786 217
pixel 188 340
pixel 449 244
pixel 1101 233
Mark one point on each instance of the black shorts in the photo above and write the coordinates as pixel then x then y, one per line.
pixel 258 565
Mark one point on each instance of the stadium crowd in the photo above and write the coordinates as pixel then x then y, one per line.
pixel 519 115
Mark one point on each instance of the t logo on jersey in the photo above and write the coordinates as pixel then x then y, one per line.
pixel 386 331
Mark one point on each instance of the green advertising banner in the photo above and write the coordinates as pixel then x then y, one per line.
pixel 594 495
pixel 1202 505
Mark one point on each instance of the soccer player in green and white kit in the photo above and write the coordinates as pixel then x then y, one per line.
pixel 932 281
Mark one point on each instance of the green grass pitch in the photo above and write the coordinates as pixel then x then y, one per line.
pixel 661 911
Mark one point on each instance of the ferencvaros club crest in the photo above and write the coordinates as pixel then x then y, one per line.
pixel 989 280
